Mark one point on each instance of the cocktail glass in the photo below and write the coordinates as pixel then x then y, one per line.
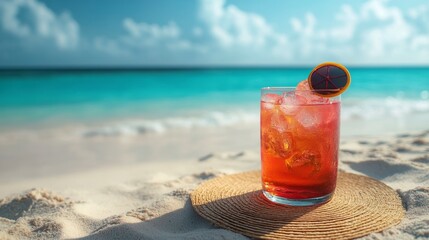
pixel 299 145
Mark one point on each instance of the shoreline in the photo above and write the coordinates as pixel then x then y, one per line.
pixel 35 153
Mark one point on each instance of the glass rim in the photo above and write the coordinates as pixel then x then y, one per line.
pixel 277 88
pixel 294 89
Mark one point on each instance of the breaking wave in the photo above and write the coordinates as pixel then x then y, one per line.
pixel 139 127
pixel 380 108
pixel 351 110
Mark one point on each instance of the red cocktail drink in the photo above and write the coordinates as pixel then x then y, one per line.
pixel 299 145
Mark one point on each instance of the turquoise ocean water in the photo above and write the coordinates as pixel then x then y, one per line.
pixel 162 99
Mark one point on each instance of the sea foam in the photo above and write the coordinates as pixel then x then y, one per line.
pixel 385 107
pixel 352 109
pixel 143 126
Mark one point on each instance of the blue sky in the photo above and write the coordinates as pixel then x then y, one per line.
pixel 212 32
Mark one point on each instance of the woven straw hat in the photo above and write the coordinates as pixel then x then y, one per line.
pixel 361 205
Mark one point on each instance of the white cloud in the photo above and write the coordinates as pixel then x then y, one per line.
pixel 419 12
pixel 232 27
pixel 180 45
pixel 9 11
pixel 62 28
pixel 376 32
pixel 145 35
pixel 151 33
pixel 311 40
pixel 348 20
pixel 421 42
pixel 373 33
pixel 109 46
pixel 392 35
pixel 307 28
pixel 419 17
pixel 376 8
pixel 142 36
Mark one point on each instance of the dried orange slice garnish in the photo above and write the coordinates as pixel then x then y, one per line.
pixel 329 79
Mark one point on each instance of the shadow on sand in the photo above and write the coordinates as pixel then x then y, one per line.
pixel 232 213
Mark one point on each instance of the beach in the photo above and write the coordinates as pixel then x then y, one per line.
pixel 150 199
pixel 161 119
pixel 101 164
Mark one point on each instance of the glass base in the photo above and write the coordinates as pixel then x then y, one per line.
pixel 297 202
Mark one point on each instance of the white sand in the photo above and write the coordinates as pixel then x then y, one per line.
pixel 133 198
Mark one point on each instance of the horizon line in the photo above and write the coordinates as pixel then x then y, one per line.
pixel 185 67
